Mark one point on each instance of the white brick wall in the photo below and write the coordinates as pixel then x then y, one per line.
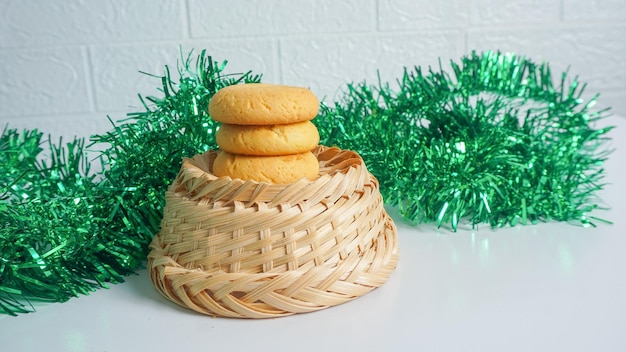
pixel 66 64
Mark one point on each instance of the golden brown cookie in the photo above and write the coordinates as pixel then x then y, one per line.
pixel 293 138
pixel 263 104
pixel 281 169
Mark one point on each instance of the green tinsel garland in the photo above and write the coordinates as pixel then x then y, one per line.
pixel 65 231
pixel 55 240
pixel 496 142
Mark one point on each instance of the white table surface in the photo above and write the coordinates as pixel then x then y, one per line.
pixel 547 287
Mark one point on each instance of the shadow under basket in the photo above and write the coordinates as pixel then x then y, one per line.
pixel 247 249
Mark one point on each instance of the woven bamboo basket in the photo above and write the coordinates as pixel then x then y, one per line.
pixel 246 249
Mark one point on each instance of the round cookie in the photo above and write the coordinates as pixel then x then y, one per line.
pixel 263 104
pixel 282 169
pixel 293 138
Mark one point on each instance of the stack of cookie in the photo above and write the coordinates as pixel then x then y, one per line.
pixel 266 133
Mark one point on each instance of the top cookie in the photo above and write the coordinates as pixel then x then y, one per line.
pixel 263 104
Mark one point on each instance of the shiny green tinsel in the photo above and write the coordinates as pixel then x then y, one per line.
pixel 495 141
pixel 145 151
pixel 54 241
pixel 65 230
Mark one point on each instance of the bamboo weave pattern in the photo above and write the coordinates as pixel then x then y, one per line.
pixel 246 249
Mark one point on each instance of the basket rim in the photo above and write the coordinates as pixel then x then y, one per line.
pixel 335 164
